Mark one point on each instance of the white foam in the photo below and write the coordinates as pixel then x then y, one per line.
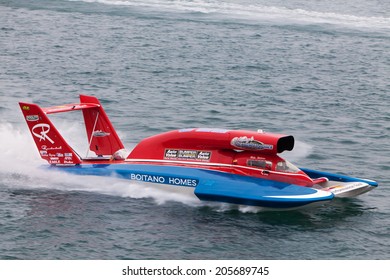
pixel 21 167
pixel 256 12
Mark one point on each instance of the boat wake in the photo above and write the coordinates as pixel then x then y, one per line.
pixel 21 168
pixel 255 12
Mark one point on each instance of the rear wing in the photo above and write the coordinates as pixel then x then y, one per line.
pixel 102 137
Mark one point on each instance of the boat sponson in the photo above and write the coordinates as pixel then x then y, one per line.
pixel 245 190
pixel 336 177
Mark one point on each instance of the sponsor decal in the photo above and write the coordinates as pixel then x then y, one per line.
pixel 55 148
pixel 176 181
pixel 40 131
pixel 54 160
pixel 344 188
pixel 100 133
pixel 46 148
pixel 26 108
pixel 249 143
pixel 334 187
pixel 187 154
pixel 68 157
pixel 43 153
pixel 204 155
pixel 32 118
pixel 59 154
pixel 171 153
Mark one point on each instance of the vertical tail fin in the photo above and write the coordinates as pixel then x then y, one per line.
pixel 102 137
pixel 51 145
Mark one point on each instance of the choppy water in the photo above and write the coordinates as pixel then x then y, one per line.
pixel 316 69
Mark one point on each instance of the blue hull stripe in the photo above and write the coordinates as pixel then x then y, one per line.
pixel 210 185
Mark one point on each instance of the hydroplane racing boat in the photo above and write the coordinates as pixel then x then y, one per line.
pixel 229 166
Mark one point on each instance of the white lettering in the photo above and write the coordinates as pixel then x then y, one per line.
pixel 147 178
pixel 164 180
pixel 182 182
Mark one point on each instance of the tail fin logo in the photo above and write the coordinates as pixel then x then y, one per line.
pixel 42 135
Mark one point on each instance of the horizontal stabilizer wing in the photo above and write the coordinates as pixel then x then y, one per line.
pixel 69 107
